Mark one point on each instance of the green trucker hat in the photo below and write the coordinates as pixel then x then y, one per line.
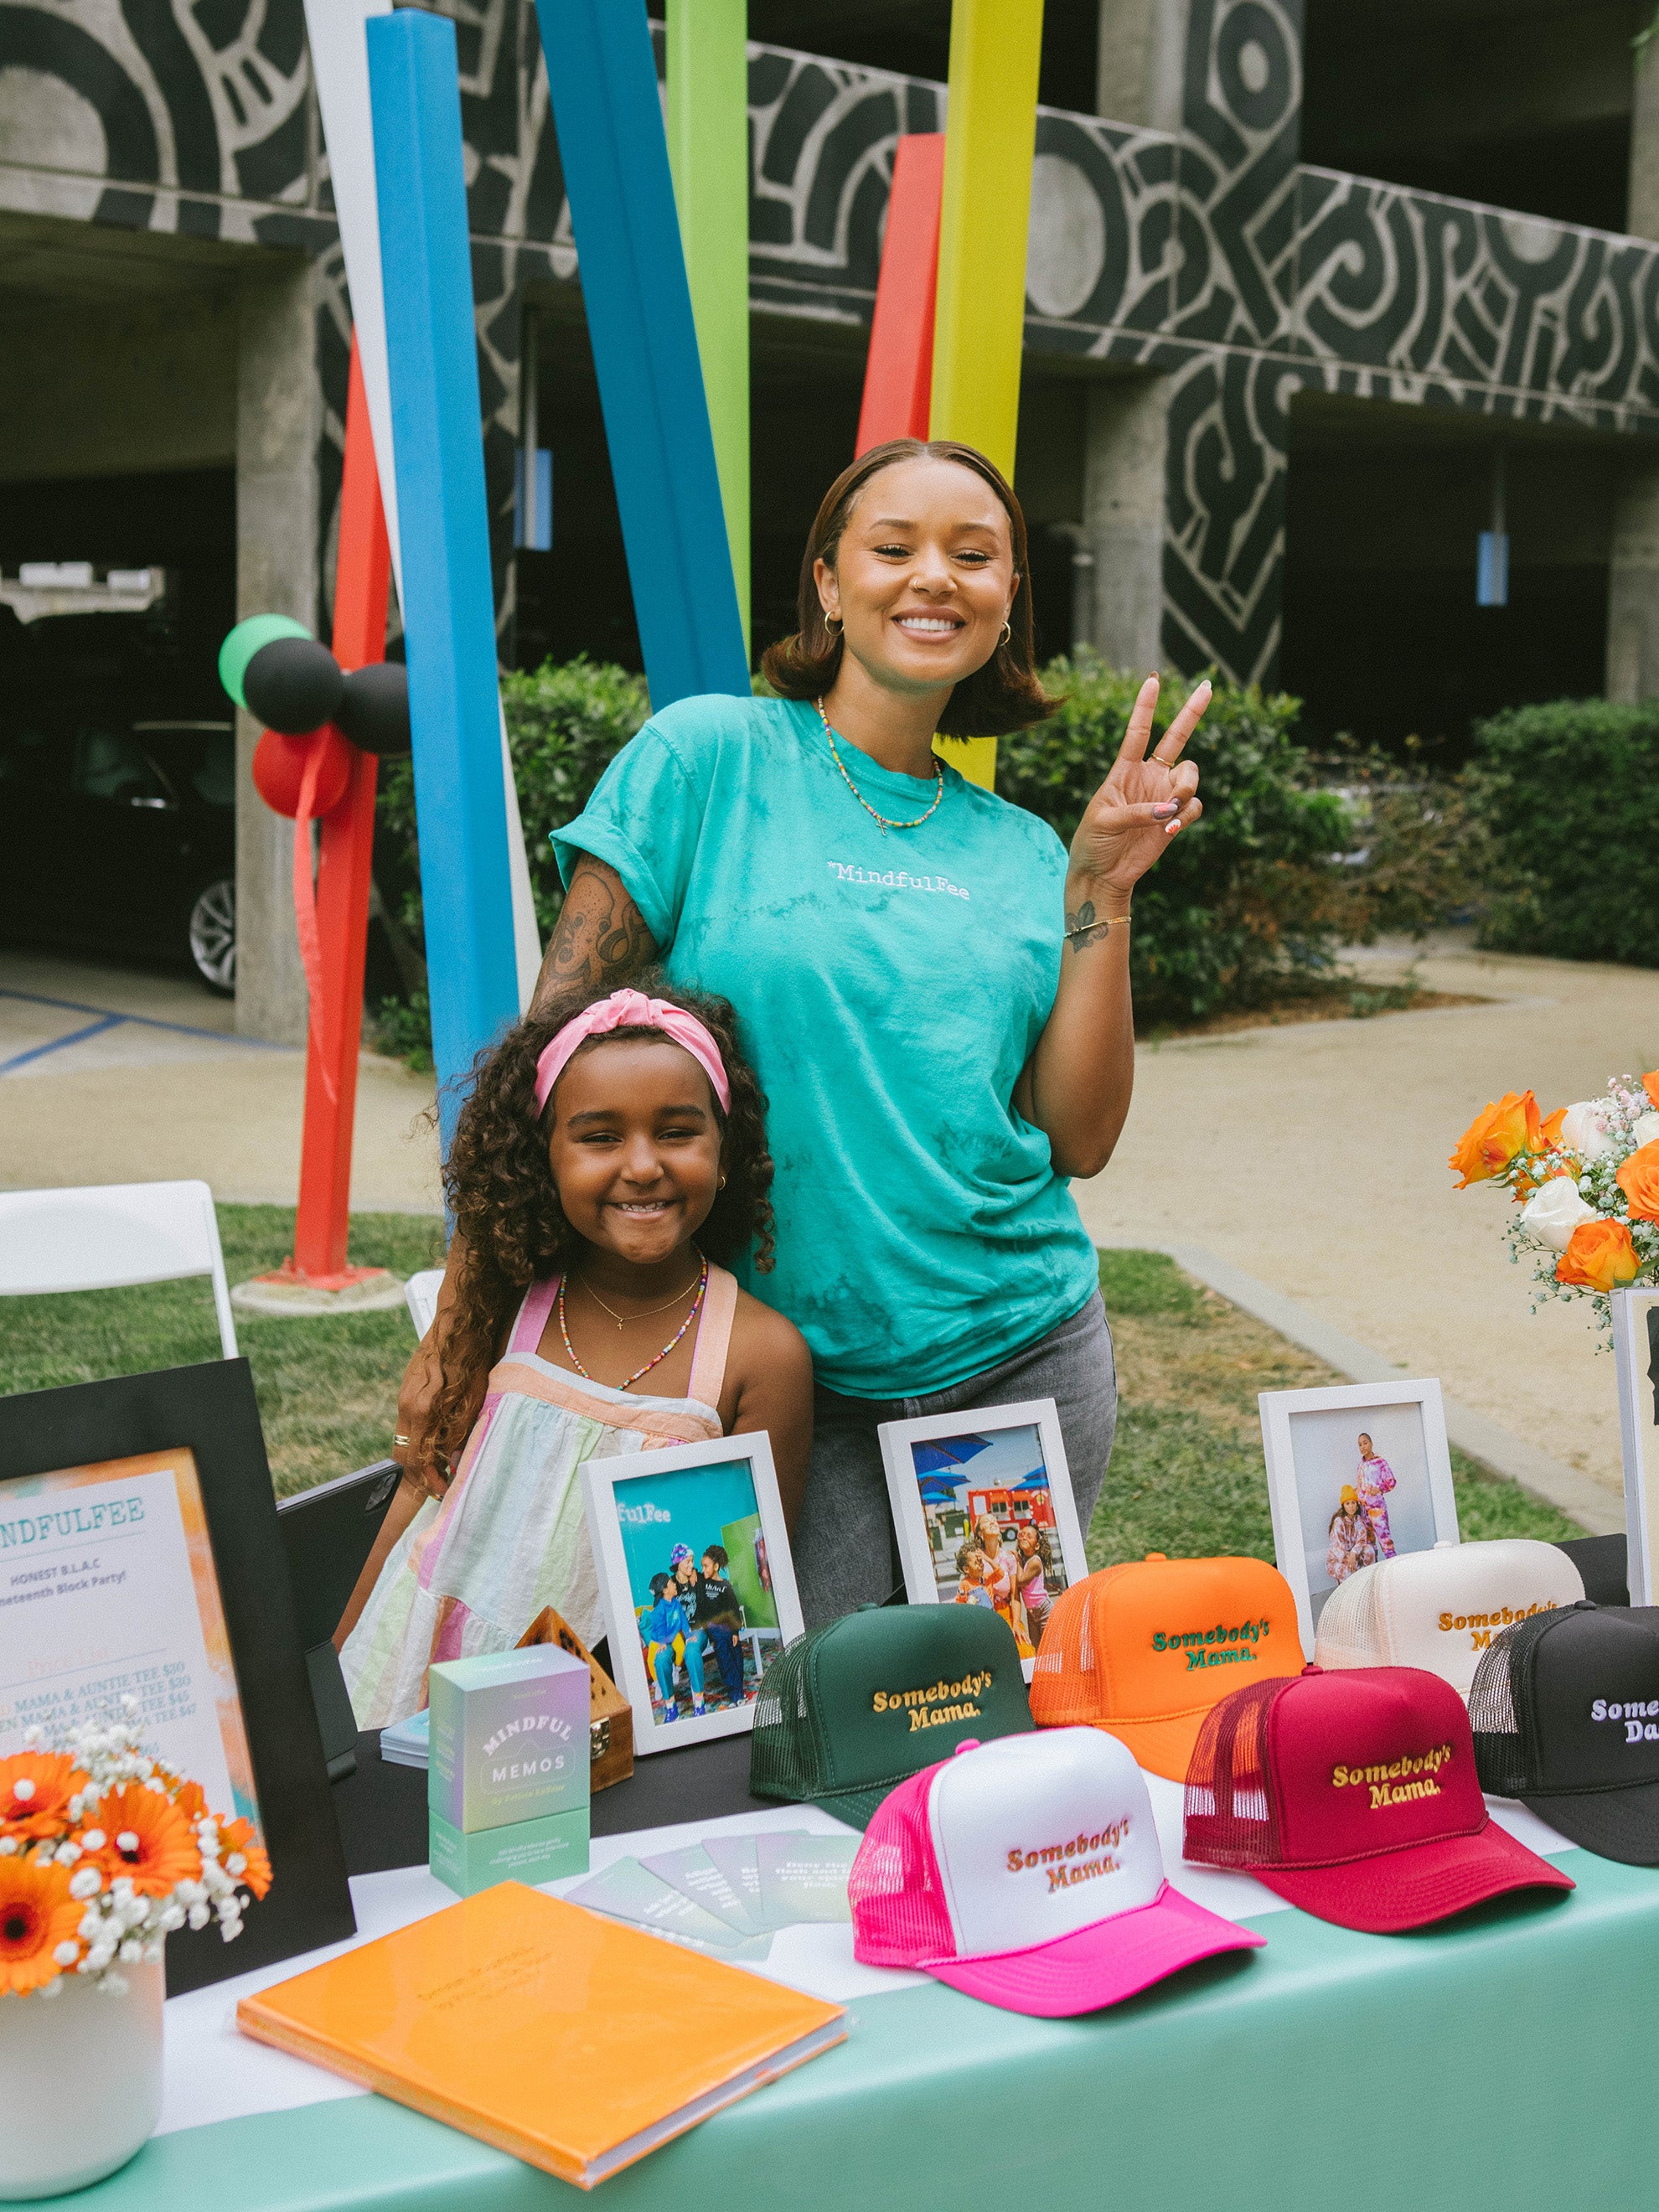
pixel 849 1710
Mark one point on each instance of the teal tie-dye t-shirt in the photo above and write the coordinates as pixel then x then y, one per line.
pixel 889 989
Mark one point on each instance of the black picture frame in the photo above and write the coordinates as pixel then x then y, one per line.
pixel 210 1411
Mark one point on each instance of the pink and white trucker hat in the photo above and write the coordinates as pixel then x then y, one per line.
pixel 1027 1873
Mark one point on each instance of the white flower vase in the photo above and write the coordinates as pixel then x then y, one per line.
pixel 80 2082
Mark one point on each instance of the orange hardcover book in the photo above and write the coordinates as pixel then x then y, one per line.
pixel 575 2042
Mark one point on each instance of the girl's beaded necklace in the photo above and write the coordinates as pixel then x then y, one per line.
pixel 886 821
pixel 696 1308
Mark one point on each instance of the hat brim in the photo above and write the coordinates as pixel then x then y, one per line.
pixel 1615 1824
pixel 1163 1747
pixel 856 1807
pixel 1098 1966
pixel 1395 1891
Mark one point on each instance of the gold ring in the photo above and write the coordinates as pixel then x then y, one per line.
pixel 400 1440
pixel 1158 761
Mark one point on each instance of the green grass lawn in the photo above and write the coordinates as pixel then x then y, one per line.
pixel 1185 1477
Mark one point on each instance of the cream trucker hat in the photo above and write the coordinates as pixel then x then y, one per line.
pixel 1440 1610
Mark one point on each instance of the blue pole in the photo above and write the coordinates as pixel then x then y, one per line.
pixel 603 78
pixel 448 603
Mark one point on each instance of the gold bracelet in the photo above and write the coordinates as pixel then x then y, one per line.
pixel 1106 921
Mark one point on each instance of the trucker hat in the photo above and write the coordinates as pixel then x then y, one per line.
pixel 849 1709
pixel 1353 1795
pixel 1441 1609
pixel 1145 1649
pixel 1028 1874
pixel 1566 1715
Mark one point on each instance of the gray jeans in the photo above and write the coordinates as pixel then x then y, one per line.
pixel 845 1554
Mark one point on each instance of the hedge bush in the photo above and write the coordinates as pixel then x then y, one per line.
pixel 1569 795
pixel 1252 897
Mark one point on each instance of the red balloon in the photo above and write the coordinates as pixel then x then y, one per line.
pixel 279 766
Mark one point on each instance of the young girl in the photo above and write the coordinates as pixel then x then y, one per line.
pixel 612 1151
pixel 970 1564
pixel 661 1628
pixel 1030 1563
pixel 1350 1545
pixel 1374 1482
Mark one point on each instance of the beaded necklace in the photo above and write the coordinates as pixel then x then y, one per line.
pixel 570 1349
pixel 886 821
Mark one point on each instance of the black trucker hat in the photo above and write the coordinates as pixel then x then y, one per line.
pixel 851 1709
pixel 1565 1707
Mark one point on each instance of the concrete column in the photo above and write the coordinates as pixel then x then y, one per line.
pixel 1137 74
pixel 278 418
pixel 1633 670
pixel 1123 515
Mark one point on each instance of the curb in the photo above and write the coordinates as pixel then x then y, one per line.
pixel 1579 1496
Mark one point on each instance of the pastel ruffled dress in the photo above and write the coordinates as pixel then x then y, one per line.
pixel 472 1571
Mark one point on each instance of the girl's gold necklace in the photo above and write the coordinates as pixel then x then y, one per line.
pixel 886 821
pixel 696 1308
pixel 645 1312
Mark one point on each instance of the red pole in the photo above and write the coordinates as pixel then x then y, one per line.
pixel 898 371
pixel 362 577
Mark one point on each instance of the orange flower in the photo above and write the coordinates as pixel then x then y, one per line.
pixel 1638 1178
pixel 35 1788
pixel 1599 1257
pixel 1495 1136
pixel 1551 1127
pixel 192 1799
pixel 146 1839
pixel 37 1914
pixel 238 1836
pixel 1651 1084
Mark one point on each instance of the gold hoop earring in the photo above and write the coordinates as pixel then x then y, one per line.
pixel 834 624
pixel 1007 632
pixel 722 1182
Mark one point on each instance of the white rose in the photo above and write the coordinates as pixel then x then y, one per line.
pixel 1555 1210
pixel 1582 1131
pixel 1644 1129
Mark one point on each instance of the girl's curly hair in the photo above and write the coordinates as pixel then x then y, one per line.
pixel 500 1188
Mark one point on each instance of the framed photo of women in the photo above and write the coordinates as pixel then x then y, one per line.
pixel 1356 1474
pixel 692 1555
pixel 983 1505
pixel 1636 1359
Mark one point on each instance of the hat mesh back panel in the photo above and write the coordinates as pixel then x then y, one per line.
pixel 1352 1629
pixel 897 1902
pixel 1064 1691
pixel 1232 1812
pixel 1505 1757
pixel 784 1757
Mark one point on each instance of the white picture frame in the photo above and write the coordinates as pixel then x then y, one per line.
pixel 926 1528
pixel 1425 1505
pixel 663 1484
pixel 1635 1354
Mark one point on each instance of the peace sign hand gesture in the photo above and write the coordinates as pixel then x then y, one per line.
pixel 1145 801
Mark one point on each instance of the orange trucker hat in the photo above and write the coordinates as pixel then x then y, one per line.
pixel 1146 1649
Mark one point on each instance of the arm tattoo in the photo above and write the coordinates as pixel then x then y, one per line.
pixel 1081 928
pixel 600 940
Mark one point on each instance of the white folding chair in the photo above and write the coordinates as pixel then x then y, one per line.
pixel 107 1236
pixel 421 1292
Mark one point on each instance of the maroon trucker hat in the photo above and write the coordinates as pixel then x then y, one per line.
pixel 1354 1795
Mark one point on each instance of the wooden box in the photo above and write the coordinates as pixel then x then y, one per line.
pixel 610 1717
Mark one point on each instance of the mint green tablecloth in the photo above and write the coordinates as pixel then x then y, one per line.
pixel 1510 2059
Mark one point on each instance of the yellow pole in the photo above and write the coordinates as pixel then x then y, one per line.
pixel 979 327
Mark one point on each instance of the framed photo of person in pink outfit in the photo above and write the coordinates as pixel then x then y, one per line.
pixel 1355 1474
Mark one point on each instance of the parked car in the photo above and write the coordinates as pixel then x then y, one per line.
pixel 121 834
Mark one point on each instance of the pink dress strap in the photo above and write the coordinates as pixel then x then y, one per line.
pixel 714 1337
pixel 532 1315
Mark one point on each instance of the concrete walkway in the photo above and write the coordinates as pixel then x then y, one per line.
pixel 115 1075
pixel 1313 1158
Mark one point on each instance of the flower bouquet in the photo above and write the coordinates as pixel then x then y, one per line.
pixel 1586 1181
pixel 104 1852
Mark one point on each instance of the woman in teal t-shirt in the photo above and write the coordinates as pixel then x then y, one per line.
pixel 933 992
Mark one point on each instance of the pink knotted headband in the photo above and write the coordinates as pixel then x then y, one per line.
pixel 626 1010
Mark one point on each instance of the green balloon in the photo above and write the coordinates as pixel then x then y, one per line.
pixel 244 640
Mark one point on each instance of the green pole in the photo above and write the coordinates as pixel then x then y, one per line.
pixel 709 155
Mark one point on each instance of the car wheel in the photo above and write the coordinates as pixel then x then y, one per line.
pixel 213 937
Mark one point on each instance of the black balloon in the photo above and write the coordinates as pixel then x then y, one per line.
pixel 293 685
pixel 373 708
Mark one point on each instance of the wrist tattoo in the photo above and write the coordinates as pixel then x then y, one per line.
pixel 1086 927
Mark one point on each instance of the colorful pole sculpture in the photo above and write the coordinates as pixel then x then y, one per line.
pixel 898 371
pixel 331 714
pixel 449 616
pixel 708 157
pixel 603 78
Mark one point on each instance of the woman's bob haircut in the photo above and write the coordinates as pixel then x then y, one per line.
pixel 1005 694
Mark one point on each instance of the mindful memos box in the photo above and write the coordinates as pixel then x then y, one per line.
pixel 509 1738
pixel 523 1850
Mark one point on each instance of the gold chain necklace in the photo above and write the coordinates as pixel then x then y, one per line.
pixel 645 1312
pixel 886 821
